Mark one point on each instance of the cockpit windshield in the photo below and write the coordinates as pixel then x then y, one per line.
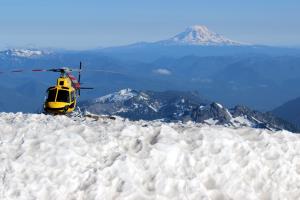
pixel 63 96
pixel 51 95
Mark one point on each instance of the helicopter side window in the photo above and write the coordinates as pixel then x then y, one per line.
pixel 51 95
pixel 63 96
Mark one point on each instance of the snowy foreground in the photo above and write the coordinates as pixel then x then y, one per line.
pixel 46 157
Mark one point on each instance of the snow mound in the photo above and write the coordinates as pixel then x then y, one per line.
pixel 56 157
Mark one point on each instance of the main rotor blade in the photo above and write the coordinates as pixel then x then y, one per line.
pixel 39 70
pixel 101 70
pixel 106 71
pixel 17 70
pixel 12 71
pixel 62 70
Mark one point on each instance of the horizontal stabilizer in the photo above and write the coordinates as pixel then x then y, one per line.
pixel 86 88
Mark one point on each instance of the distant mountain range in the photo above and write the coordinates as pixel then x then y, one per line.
pixel 180 106
pixel 196 59
pixel 196 40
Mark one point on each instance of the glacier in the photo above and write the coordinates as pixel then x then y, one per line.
pixel 58 157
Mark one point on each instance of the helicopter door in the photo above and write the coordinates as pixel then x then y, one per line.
pixel 63 96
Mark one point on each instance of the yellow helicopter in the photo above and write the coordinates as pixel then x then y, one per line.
pixel 62 98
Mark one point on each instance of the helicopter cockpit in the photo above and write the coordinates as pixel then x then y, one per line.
pixel 58 95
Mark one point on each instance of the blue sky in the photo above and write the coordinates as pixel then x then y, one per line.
pixel 84 24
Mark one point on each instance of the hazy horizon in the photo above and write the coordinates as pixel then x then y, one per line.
pixel 78 25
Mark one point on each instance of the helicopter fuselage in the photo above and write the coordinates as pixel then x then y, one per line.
pixel 61 98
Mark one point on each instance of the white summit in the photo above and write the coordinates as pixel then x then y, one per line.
pixel 26 53
pixel 199 35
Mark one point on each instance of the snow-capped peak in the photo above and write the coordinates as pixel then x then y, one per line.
pixel 119 96
pixel 199 35
pixel 24 53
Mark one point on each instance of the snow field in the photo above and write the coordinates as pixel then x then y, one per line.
pixel 46 157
